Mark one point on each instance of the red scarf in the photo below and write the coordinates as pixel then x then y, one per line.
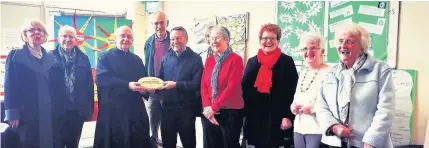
pixel 263 80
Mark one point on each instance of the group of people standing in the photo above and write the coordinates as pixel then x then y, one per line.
pixel 48 95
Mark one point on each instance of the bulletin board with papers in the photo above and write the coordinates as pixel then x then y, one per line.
pixel 379 18
pixel 371 15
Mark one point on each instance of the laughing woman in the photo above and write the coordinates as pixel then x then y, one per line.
pixel 307 132
pixel 269 84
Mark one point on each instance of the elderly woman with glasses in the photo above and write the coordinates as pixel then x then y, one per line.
pixel 307 133
pixel 355 106
pixel 74 88
pixel 269 84
pixel 221 92
pixel 28 89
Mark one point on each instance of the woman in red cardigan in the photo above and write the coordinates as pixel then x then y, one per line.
pixel 221 93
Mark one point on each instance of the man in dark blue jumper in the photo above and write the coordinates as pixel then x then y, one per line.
pixel 181 69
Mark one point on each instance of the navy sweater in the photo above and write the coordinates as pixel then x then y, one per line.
pixel 186 70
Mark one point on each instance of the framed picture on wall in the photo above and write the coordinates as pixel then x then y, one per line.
pixel 152 6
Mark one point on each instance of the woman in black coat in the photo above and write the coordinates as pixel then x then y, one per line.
pixel 269 85
pixel 28 89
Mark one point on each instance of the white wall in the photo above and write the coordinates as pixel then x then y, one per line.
pixel 412 54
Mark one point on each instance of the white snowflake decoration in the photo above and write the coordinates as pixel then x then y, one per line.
pixel 314 9
pixel 296 52
pixel 306 3
pixel 286 18
pixel 286 32
pixel 288 5
pixel 299 32
pixel 313 27
pixel 286 47
pixel 300 17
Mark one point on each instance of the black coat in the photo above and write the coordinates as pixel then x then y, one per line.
pixel 264 112
pixel 84 85
pixel 122 118
pixel 28 89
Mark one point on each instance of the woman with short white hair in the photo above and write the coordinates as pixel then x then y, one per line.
pixel 355 105
pixel 307 133
pixel 74 88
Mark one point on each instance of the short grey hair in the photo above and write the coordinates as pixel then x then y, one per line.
pixel 356 30
pixel 223 30
pixel 180 28
pixel 122 28
pixel 312 36
pixel 67 28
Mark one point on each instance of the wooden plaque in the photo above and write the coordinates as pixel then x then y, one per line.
pixel 151 82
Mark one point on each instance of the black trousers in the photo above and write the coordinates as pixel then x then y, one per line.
pixel 178 120
pixel 69 129
pixel 227 134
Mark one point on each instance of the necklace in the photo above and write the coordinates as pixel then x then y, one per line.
pixel 311 82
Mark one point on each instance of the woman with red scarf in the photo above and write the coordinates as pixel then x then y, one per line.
pixel 269 85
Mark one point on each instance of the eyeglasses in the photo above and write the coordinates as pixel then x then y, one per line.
pixel 305 49
pixel 125 36
pixel 215 39
pixel 68 37
pixel 32 30
pixel 268 38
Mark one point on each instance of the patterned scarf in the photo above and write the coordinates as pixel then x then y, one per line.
pixel 264 79
pixel 215 74
pixel 347 81
pixel 69 68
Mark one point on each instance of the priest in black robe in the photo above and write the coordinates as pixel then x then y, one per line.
pixel 122 119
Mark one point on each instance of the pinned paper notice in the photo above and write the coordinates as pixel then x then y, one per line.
pixel 337 3
pixel 334 26
pixel 346 11
pixel 371 28
pixel 371 10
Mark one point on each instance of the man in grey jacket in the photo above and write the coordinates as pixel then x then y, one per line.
pixel 355 106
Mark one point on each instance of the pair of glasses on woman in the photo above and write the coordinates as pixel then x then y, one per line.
pixel 305 49
pixel 32 30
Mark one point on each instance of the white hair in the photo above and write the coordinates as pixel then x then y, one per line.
pixel 355 30
pixel 312 36
pixel 66 28
pixel 120 30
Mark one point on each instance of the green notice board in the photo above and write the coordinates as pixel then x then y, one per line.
pixel 296 18
pixel 372 15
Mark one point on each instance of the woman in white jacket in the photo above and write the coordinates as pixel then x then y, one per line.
pixel 307 133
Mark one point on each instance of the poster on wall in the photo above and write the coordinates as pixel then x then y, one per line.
pixel 296 18
pixel 238 27
pixel 404 82
pixel 237 24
